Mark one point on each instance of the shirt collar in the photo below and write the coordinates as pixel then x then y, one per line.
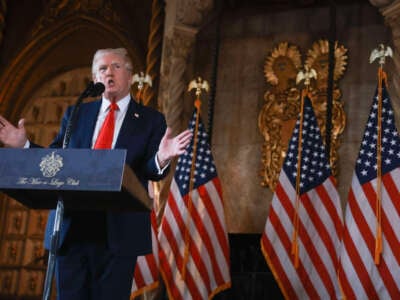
pixel 122 104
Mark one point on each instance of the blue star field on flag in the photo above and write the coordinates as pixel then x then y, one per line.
pixel 314 163
pixel 204 164
pixel 366 165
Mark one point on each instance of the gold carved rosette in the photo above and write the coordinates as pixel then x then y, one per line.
pixel 278 115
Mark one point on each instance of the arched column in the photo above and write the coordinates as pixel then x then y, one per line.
pixel 183 19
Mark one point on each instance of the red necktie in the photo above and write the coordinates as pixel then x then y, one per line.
pixel 106 134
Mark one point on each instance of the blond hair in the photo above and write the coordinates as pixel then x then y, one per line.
pixel 122 52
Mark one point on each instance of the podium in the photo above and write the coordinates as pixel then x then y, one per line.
pixel 70 179
pixel 86 179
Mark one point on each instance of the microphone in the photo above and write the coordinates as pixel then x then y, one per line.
pixel 97 90
pixel 92 90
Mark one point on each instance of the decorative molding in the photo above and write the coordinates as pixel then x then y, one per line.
pixel 178 44
pixel 177 54
pixel 183 18
pixel 282 65
pixel 175 59
pixel 56 10
pixel 380 3
pixel 192 12
pixel 38 47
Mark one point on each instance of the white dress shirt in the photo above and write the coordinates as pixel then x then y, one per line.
pixel 119 117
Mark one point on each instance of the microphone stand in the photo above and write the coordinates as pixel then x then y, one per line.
pixel 91 90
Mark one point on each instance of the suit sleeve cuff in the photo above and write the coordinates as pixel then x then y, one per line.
pixel 161 170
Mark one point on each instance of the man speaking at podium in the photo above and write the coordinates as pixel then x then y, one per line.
pixel 97 250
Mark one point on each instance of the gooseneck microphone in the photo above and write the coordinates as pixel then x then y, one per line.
pixel 92 90
pixel 98 89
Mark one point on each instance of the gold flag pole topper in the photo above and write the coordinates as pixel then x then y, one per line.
pixel 305 76
pixel 141 78
pixel 198 84
pixel 379 53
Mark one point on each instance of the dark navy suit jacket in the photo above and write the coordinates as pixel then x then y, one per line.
pixel 128 233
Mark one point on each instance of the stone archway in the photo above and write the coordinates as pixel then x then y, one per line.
pixel 65 45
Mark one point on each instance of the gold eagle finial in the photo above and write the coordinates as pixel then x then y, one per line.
pixel 306 75
pixel 380 53
pixel 198 84
pixel 141 79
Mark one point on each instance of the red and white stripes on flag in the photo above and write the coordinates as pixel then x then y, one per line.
pixel 194 250
pixel 366 272
pixel 146 276
pixel 312 221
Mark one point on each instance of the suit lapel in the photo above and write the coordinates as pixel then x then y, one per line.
pixel 130 125
pixel 89 118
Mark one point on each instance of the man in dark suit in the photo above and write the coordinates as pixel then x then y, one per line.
pixel 98 250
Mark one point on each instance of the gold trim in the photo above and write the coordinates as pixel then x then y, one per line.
pixel 317 58
pixel 215 291
pixel 144 289
pixel 282 60
pixel 273 271
pixel 278 115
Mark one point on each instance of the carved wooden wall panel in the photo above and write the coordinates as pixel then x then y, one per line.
pixel 282 102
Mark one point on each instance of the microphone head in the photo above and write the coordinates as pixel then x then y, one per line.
pixel 97 89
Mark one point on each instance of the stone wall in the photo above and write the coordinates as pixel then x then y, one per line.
pixel 246 38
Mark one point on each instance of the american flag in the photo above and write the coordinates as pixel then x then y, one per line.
pixel 313 220
pixel 194 250
pixel 146 275
pixel 361 276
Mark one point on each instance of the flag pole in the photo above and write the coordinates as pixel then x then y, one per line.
pixel 197 84
pixel 295 245
pixel 379 53
pixel 306 77
pixel 331 71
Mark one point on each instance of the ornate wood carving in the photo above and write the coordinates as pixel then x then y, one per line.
pixel 177 51
pixel 57 9
pixel 183 18
pixel 381 3
pixel 278 115
pixel 153 57
pixel 192 12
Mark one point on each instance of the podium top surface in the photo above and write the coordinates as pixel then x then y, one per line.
pixel 85 178
pixel 62 169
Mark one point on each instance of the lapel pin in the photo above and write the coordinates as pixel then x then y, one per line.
pixel 136 115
